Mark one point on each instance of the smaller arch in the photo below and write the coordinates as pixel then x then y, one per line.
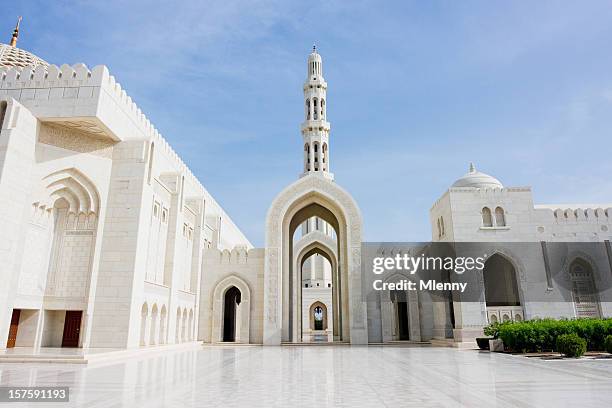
pixel 243 310
pixel 144 315
pixel 487 219
pixel 500 217
pixel 184 325
pixel 163 316
pixel 317 309
pixel 190 326
pixel 153 334
pixel 177 337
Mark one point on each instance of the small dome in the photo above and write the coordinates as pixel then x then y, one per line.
pixel 16 57
pixel 476 179
pixel 314 55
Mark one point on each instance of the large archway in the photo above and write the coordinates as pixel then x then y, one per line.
pixel 310 247
pixel 312 196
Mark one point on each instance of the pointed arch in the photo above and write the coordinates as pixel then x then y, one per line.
pixel 73 185
pixel 243 312
pixel 487 219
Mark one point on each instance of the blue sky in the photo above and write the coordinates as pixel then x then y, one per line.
pixel 417 90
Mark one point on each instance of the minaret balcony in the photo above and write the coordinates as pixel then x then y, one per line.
pixel 315 125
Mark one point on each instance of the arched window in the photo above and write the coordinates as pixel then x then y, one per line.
pixel 307 109
pixel 439 228
pixel 487 220
pixel 442 225
pixel 315 108
pixel 500 218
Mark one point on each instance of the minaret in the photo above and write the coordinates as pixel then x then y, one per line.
pixel 315 128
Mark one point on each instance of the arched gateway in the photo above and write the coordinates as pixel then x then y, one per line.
pixel 315 194
pixel 312 196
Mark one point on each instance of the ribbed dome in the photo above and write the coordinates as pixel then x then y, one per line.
pixel 476 179
pixel 16 57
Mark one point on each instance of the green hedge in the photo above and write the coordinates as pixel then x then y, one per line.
pixel 608 343
pixel 571 345
pixel 541 334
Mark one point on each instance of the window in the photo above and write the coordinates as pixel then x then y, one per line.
pixel 500 218
pixel 487 220
pixel 155 210
pixel 164 215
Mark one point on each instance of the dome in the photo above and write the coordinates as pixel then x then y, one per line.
pixel 16 57
pixel 314 55
pixel 476 179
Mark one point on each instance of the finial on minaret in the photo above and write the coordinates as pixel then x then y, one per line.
pixel 314 47
pixel 15 33
pixel 472 168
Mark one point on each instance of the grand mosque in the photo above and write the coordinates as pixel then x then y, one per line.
pixel 110 241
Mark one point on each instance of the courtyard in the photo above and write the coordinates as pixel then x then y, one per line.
pixel 324 376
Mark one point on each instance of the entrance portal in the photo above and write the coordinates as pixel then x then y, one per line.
pixel 313 198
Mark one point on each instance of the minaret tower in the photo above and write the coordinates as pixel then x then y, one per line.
pixel 315 128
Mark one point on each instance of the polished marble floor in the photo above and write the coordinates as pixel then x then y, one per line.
pixel 320 376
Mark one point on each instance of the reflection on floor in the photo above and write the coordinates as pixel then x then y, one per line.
pixel 230 376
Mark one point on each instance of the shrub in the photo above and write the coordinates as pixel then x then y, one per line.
pixel 608 343
pixel 541 334
pixel 483 342
pixel 571 345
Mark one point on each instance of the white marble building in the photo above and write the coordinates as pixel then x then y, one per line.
pixel 109 241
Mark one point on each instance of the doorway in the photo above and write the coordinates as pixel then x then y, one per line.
pixel 231 302
pixel 12 336
pixel 402 320
pixel 72 328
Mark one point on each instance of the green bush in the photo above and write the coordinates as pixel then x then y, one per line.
pixel 541 334
pixel 608 343
pixel 571 345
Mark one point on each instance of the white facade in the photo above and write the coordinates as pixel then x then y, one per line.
pixel 98 216
pixel 109 241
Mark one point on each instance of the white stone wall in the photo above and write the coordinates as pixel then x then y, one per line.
pixel 121 256
pixel 248 267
